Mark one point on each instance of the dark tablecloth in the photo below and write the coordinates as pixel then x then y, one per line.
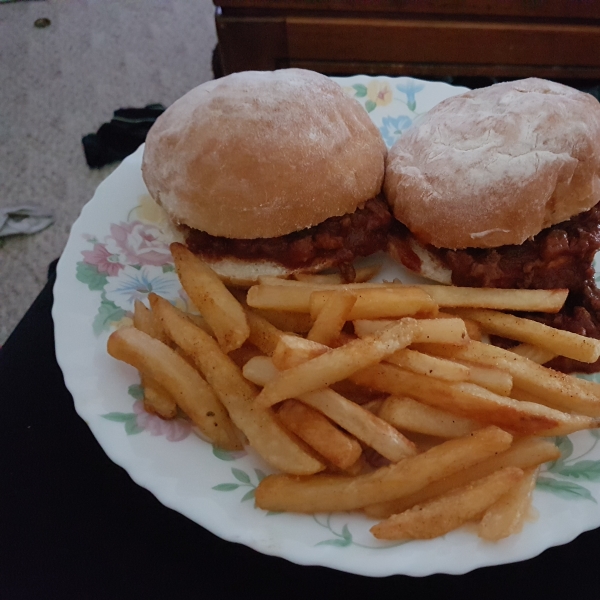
pixel 74 525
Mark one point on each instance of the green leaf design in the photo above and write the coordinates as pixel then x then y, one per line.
pixel 338 543
pixel 412 105
pixel 89 275
pixel 346 534
pixel 370 105
pixel 119 417
pixel 241 475
pixel 226 487
pixel 361 90
pixel 248 495
pixel 564 489
pixel 168 268
pixel 260 475
pixel 131 427
pixel 584 469
pixel 222 454
pixel 136 391
pixel 107 313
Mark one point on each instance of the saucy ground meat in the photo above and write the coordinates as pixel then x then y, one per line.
pixel 560 256
pixel 338 240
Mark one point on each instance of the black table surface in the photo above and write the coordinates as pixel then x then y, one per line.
pixel 74 525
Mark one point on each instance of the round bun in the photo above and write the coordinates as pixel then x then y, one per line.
pixel 497 165
pixel 263 154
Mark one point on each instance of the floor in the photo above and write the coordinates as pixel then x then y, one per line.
pixel 63 81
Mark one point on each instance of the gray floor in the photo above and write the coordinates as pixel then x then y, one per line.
pixel 62 82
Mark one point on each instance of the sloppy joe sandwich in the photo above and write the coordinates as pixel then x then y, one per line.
pixel 270 173
pixel 499 187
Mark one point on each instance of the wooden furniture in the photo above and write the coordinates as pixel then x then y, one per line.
pixel 557 39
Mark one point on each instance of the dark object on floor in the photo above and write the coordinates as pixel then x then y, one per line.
pixel 122 136
pixel 42 23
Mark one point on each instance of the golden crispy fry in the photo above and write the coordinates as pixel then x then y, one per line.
pixel 538 355
pixel 508 514
pixel 325 493
pixel 337 364
pixel 331 318
pixel 144 320
pixel 524 453
pixel 410 415
pixel 157 400
pixel 417 362
pixel 289 322
pixel 355 419
pixel 450 511
pixel 260 426
pixel 218 306
pixel 361 275
pixel 550 301
pixel 263 334
pixel 317 431
pixel 182 382
pixel 473 328
pixel 495 380
pixel 552 388
pixel 563 343
pixel 292 351
pixel 473 402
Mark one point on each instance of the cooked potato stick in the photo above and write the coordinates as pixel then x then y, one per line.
pixel 289 322
pixel 144 320
pixel 329 493
pixel 473 402
pixel 362 424
pixel 553 389
pixel 331 318
pixel 495 380
pixel 361 274
pixel 263 334
pixel 417 362
pixel 410 415
pixel 337 364
pixel 431 331
pixel 444 514
pixel 260 426
pixel 218 306
pixel 524 453
pixel 473 328
pixel 538 355
pixel 157 400
pixel 318 432
pixel 292 351
pixel 563 343
pixel 507 515
pixel 182 382
pixel 550 301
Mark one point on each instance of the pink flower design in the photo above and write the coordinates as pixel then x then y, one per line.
pixel 103 260
pixel 175 430
pixel 141 244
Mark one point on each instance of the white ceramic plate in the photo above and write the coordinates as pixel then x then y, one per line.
pixel 118 251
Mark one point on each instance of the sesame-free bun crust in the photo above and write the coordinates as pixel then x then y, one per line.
pixel 263 154
pixel 497 165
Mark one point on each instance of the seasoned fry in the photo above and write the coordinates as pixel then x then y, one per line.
pixel 331 318
pixel 218 306
pixel 495 380
pixel 473 328
pixel 361 275
pixel 181 381
pixel 355 419
pixel 259 425
pixel 410 415
pixel 538 355
pixel 473 402
pixel 157 400
pixel 507 515
pixel 263 334
pixel 292 351
pixel 317 431
pixel 417 362
pixel 563 343
pixel 289 322
pixel 337 364
pixel 524 453
pixel 450 511
pixel 326 493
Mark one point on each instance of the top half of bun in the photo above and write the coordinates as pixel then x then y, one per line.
pixel 263 154
pixel 497 165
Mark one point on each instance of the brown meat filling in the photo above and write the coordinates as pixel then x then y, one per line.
pixel 338 241
pixel 560 256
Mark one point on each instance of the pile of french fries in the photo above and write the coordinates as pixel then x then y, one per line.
pixel 364 396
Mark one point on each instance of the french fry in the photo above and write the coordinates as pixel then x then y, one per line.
pixel 525 453
pixel 538 355
pixel 473 402
pixel 181 381
pixel 550 301
pixel 263 334
pixel 337 364
pixel 473 328
pixel 361 275
pixel 417 362
pixel 218 306
pixel 331 318
pixel 558 341
pixel 317 431
pixel 444 514
pixel 292 350
pixel 260 426
pixel 552 388
pixel 507 515
pixel 289 322
pixel 410 415
pixel 495 380
pixel 144 320
pixel 362 424
pixel 328 493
